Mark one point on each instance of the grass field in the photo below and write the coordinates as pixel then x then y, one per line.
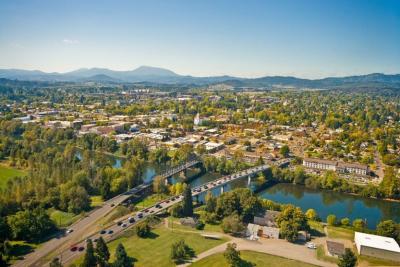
pixel 7 173
pixel 321 255
pixel 155 250
pixel 61 218
pixel 250 257
pixel 339 232
pixel 150 200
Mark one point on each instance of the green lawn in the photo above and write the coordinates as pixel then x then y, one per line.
pixel 339 232
pixel 155 250
pixel 7 173
pixel 256 258
pixel 150 200
pixel 321 255
pixel 377 262
pixel 61 218
pixel 174 222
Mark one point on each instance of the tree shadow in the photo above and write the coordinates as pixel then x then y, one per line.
pixel 151 235
pixel 244 263
pixel 18 250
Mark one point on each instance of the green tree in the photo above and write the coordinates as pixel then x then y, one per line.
pixel 345 221
pixel 121 258
pixel 232 255
pixel 348 259
pixel 358 224
pixel 311 214
pixel 187 202
pixel 211 202
pixel 159 185
pixel 388 228
pixel 331 219
pixel 90 259
pixel 232 224
pixel 180 251
pixel 55 263
pixel 142 229
pixel 30 225
pixel 284 151
pixel 102 251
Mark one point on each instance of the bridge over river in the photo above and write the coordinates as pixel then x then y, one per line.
pixel 115 230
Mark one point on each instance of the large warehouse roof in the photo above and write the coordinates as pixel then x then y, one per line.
pixel 376 241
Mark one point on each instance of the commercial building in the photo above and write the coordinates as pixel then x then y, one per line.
pixel 337 166
pixel 377 246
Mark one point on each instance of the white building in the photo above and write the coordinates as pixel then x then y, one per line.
pixel 377 246
pixel 337 166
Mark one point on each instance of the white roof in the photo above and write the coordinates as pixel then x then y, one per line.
pixel 376 241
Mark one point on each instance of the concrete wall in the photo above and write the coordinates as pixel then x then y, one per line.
pixel 380 253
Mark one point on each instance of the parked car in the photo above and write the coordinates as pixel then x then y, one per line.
pixel 110 232
pixel 81 248
pixel 70 231
pixel 311 245
pixel 102 232
pixel 74 248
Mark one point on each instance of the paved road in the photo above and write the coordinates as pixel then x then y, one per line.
pixel 67 255
pixel 276 247
pixel 80 229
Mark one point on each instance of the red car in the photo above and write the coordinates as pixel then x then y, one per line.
pixel 74 248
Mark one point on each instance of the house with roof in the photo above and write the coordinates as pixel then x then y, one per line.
pixel 377 246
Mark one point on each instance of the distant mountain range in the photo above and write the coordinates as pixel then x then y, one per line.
pixel 165 76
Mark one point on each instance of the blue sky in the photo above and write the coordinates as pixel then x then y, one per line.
pixel 243 38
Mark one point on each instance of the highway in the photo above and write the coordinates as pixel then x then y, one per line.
pixel 80 229
pixel 116 229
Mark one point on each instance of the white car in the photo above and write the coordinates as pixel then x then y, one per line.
pixel 311 246
pixel 69 231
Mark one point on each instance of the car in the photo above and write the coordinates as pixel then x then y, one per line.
pixel 151 211
pixel 102 232
pixel 140 215
pixel 166 201
pixel 70 231
pixel 146 210
pixel 110 232
pixel 124 225
pixel 95 240
pixel 131 220
pixel 205 187
pixel 74 248
pixel 311 245
pixel 112 205
pixel 119 223
pixel 81 248
pixel 158 206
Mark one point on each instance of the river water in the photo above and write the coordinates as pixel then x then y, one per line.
pixel 323 201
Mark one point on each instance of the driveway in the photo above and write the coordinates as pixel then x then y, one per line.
pixel 277 247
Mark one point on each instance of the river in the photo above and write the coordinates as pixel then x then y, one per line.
pixel 328 202
pixel 324 202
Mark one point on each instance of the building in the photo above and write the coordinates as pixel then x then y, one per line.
pixel 255 231
pixel 377 246
pixel 334 249
pixel 268 219
pixel 337 166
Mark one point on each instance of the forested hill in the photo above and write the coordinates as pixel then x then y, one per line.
pixel 156 76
